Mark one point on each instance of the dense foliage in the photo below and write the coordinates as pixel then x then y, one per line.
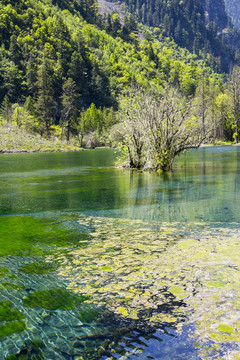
pixel 64 70
pixel 184 21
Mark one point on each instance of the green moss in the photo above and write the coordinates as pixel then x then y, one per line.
pixel 10 286
pixel 38 267
pixel 38 344
pixel 7 313
pixel 4 271
pixel 88 315
pixel 11 328
pixel 32 348
pixel 31 235
pixel 53 299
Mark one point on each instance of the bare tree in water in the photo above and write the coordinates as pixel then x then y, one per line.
pixel 159 128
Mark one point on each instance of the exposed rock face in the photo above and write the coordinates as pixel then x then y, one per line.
pixel 233 9
pixel 215 12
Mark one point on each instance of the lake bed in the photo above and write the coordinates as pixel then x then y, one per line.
pixel 106 263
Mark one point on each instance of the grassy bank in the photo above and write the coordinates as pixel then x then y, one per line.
pixel 13 140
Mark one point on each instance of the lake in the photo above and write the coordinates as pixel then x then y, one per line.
pixel 105 263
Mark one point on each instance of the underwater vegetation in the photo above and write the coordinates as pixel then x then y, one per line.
pixel 4 271
pixel 10 319
pixel 158 276
pixel 53 299
pixel 125 280
pixel 40 267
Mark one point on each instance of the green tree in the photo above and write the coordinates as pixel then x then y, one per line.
pixel 45 101
pixel 31 75
pixel 6 110
pixel 234 93
pixel 202 94
pixel 69 105
pixel 223 115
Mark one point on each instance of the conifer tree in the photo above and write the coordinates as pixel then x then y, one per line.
pixel 45 100
pixel 69 105
pixel 6 110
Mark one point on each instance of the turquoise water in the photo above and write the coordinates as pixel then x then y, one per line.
pixel 58 208
pixel 204 185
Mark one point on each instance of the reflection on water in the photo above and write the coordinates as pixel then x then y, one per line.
pixel 203 186
pixel 73 224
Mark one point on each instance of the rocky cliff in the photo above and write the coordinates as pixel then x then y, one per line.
pixel 233 9
pixel 215 12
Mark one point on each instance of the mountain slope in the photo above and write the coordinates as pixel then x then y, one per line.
pixel 199 25
pixel 58 69
pixel 233 9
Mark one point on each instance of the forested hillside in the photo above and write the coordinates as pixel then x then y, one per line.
pixel 64 69
pixel 194 24
pixel 56 63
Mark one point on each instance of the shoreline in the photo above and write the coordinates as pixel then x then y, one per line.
pixel 7 152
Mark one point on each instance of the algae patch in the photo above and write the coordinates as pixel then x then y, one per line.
pixel 161 276
pixel 226 328
pixel 53 299
pixel 88 315
pixel 4 271
pixel 11 286
pixel 11 318
pixel 40 267
pixel 8 313
pixel 11 328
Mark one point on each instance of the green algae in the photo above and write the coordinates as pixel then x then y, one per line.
pixel 134 269
pixel 4 271
pixel 53 299
pixel 38 344
pixel 88 315
pixel 7 313
pixel 36 236
pixel 11 328
pixel 38 267
pixel 11 286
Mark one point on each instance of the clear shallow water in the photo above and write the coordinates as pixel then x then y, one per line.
pixel 203 186
pixel 42 198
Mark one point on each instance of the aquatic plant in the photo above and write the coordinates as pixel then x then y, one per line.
pixel 88 314
pixel 11 286
pixel 4 271
pixel 53 299
pixel 12 327
pixel 166 276
pixel 40 267
pixel 7 313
